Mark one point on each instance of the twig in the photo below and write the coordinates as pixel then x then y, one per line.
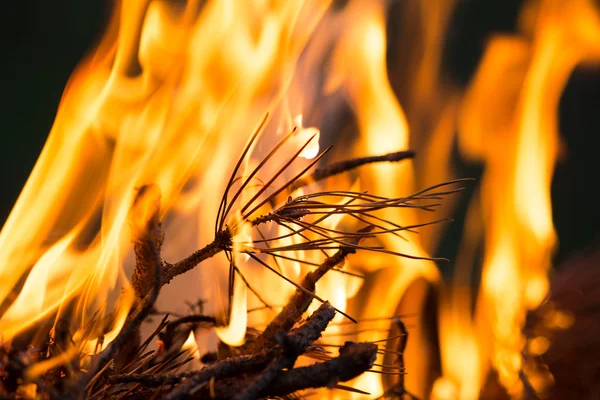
pixel 293 345
pixel 145 226
pixel 224 207
pixel 254 291
pixel 402 341
pixel 149 380
pixel 163 323
pixel 222 241
pixel 528 390
pixel 354 359
pixel 399 389
pixel 193 319
pixel 174 336
pixel 348 165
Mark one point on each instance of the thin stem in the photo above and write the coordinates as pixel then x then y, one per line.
pixel 348 165
pixel 223 241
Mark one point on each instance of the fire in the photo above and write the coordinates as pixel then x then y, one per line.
pixel 170 96
pixel 361 69
pixel 191 346
pixel 149 106
pixel 509 121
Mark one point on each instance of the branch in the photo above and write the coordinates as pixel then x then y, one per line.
pixel 354 359
pixel 223 241
pixel 348 165
pixel 293 345
pixel 145 227
pixel 401 348
pixel 145 239
pixel 142 311
pixel 219 370
pixel 299 339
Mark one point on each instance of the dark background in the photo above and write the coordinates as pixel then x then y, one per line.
pixel 42 42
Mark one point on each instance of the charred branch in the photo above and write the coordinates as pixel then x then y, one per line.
pixel 272 359
pixel 145 227
pixel 219 370
pixel 354 359
pixel 291 347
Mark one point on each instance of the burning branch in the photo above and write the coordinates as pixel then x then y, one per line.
pixel 354 359
pixel 291 347
pixel 264 366
pixel 146 234
pixel 222 242
pixel 147 238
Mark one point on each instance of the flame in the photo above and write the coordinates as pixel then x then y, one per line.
pixel 191 346
pixel 170 96
pixel 361 70
pixel 150 105
pixel 509 121
pixel 234 334
pixel 309 133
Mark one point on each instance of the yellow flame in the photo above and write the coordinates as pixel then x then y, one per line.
pixel 308 133
pixel 191 346
pixel 234 334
